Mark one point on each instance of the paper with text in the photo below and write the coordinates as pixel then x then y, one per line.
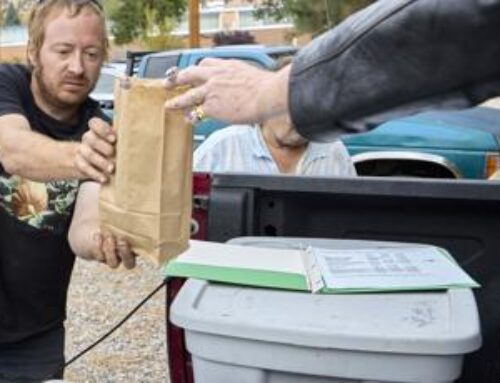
pixel 390 267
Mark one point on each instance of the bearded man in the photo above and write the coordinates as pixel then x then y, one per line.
pixel 52 136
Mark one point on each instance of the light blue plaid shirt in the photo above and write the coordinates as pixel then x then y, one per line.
pixel 241 148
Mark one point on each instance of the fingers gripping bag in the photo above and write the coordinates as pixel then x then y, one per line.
pixel 148 200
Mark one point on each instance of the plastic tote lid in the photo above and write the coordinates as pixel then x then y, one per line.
pixel 433 323
pixel 423 323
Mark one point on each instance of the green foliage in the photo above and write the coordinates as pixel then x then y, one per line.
pixel 147 19
pixel 310 16
pixel 164 39
pixel 110 6
pixel 11 16
pixel 126 20
pixel 166 9
pixel 164 42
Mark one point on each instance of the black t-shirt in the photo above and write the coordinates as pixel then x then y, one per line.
pixel 35 257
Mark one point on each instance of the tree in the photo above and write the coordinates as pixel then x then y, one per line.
pixel 11 16
pixel 146 19
pixel 110 6
pixel 310 16
pixel 233 38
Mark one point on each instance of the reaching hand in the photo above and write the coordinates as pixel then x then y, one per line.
pixel 95 154
pixel 230 90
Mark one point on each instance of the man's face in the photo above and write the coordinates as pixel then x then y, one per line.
pixel 69 60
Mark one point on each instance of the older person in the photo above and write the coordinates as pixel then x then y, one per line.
pixel 256 149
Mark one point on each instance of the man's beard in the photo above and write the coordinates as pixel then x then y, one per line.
pixel 49 94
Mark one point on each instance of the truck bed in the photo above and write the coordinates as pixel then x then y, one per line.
pixel 461 216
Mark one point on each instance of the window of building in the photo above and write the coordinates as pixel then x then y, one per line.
pixel 209 21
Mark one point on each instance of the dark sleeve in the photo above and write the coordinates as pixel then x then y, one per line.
pixel 103 116
pixel 392 53
pixel 11 101
pixel 92 109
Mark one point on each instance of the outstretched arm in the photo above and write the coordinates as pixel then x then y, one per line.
pixel 391 54
pixel 32 155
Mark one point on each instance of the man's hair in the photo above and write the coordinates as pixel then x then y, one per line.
pixel 40 13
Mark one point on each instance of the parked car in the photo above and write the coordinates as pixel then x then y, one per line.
pixel 435 144
pixel 154 65
pixel 103 91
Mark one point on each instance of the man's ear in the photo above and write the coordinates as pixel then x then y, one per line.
pixel 31 55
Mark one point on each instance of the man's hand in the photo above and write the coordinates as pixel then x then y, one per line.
pixel 85 237
pixel 113 251
pixel 95 155
pixel 230 90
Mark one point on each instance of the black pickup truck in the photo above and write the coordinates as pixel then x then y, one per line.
pixel 461 216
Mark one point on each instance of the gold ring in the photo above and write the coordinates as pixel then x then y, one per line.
pixel 199 113
pixel 196 115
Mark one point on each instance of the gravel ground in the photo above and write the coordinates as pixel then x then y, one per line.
pixel 99 297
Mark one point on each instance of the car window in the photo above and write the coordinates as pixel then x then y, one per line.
pixel 105 83
pixel 158 65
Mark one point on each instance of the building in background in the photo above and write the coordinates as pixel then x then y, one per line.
pixel 238 15
pixel 215 16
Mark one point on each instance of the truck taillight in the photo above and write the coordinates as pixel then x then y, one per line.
pixel 492 163
pixel 199 217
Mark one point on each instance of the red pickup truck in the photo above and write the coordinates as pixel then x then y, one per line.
pixel 462 216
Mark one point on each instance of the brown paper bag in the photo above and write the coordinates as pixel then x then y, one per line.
pixel 148 200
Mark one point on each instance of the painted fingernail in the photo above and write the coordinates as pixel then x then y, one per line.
pixel 171 73
pixel 111 167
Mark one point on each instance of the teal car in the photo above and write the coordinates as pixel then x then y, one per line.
pixel 435 144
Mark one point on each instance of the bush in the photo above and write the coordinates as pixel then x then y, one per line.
pixel 233 38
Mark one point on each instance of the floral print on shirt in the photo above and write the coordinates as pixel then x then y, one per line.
pixel 44 206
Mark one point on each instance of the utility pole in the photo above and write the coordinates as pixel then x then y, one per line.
pixel 194 23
